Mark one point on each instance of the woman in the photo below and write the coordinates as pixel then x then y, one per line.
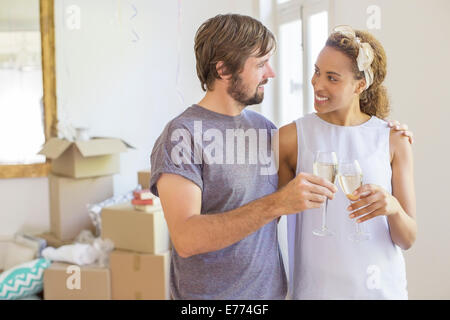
pixel 350 103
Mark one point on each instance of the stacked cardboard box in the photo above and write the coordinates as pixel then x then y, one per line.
pixel 63 281
pixel 81 174
pixel 69 198
pixel 52 241
pixel 135 230
pixel 83 159
pixel 144 178
pixel 139 264
pixel 139 276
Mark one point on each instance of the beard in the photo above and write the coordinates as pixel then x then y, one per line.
pixel 239 92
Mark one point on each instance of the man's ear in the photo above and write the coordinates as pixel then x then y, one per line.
pixel 221 71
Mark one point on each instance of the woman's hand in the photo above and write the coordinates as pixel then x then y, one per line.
pixel 372 201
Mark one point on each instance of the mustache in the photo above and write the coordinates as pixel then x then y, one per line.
pixel 263 82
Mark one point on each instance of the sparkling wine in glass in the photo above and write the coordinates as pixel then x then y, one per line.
pixel 325 166
pixel 350 179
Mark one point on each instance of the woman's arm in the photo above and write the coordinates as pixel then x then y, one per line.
pixel 285 148
pixel 403 224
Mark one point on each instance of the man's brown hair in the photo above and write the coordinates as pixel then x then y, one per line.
pixel 231 38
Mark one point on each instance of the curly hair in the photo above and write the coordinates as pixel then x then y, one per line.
pixel 230 38
pixel 373 101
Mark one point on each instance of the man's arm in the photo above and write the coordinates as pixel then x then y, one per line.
pixel 192 233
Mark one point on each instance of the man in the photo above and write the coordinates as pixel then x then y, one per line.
pixel 222 206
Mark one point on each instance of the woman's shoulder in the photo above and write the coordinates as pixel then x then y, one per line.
pixel 377 122
pixel 399 144
pixel 307 118
pixel 286 145
pixel 286 139
pixel 287 133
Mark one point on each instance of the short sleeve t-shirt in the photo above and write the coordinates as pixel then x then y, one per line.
pixel 230 159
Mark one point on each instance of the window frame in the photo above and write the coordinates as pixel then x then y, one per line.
pixel 313 6
pixel 47 29
pixel 286 12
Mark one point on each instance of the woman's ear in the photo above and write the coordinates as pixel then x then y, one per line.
pixel 361 86
pixel 222 71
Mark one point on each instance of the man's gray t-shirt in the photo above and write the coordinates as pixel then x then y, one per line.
pixel 228 158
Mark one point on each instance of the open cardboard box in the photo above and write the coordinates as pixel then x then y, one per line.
pixel 81 159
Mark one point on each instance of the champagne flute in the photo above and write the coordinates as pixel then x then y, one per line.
pixel 325 166
pixel 350 179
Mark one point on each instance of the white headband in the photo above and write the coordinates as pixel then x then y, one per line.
pixel 365 55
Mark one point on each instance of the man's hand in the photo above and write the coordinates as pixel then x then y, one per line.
pixel 305 191
pixel 403 128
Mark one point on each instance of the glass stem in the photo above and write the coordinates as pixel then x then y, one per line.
pixel 324 215
pixel 358 228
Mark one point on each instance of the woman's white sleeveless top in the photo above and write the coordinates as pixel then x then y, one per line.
pixel 335 267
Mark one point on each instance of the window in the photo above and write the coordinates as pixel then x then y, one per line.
pixel 315 22
pixel 302 30
pixel 290 62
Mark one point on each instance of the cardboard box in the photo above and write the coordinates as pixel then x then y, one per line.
pixel 17 254
pixel 139 276
pixel 52 240
pixel 135 230
pixel 82 159
pixel 79 283
pixel 4 244
pixel 144 178
pixel 68 203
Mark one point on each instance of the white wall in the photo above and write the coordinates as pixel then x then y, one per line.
pixel 415 36
pixel 24 206
pixel 103 74
pixel 117 87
